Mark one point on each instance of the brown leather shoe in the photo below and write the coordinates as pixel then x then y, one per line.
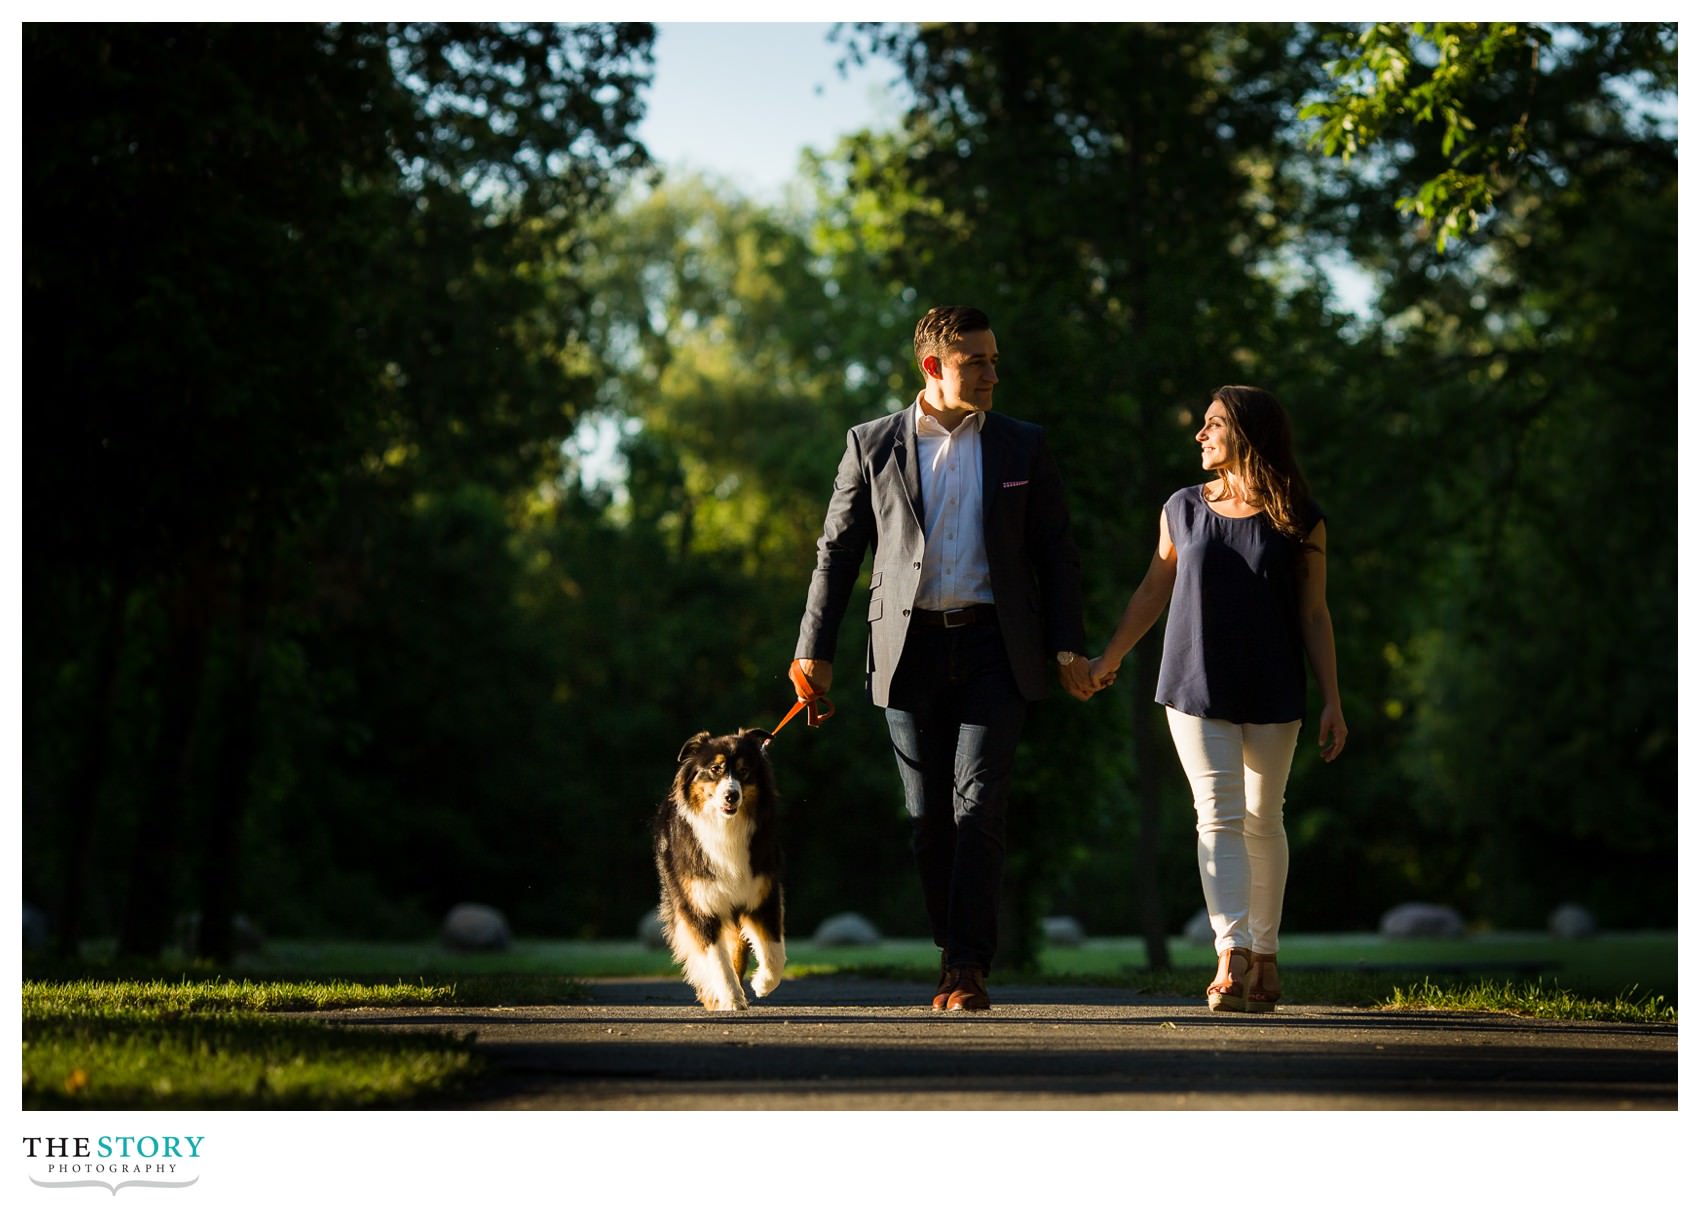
pixel 1227 991
pixel 970 991
pixel 1262 984
pixel 947 982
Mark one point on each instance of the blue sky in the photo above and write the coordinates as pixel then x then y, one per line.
pixel 741 100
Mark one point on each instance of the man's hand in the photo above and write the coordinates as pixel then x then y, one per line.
pixel 819 674
pixel 1077 679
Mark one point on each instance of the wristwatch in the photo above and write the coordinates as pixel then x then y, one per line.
pixel 1065 658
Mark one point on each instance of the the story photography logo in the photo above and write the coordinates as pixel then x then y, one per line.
pixel 115 1161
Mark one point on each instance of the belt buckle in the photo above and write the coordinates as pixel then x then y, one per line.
pixel 964 616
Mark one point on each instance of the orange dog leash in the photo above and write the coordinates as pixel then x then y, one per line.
pixel 819 706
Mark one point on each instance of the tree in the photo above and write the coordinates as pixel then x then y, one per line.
pixel 1537 684
pixel 224 359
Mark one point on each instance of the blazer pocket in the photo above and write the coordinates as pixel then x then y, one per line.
pixel 876 609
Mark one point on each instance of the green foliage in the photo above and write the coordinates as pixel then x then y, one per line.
pixel 1471 107
pixel 1533 366
pixel 1393 77
pixel 271 378
pixel 738 349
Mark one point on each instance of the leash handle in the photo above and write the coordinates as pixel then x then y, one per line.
pixel 820 708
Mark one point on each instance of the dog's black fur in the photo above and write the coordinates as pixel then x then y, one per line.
pixel 717 853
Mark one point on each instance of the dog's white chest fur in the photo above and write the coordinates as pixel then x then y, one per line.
pixel 725 842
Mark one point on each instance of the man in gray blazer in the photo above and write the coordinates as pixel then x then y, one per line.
pixel 974 598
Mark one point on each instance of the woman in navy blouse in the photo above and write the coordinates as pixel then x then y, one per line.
pixel 1241 566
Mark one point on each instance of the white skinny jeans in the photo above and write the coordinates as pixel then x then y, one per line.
pixel 1239 774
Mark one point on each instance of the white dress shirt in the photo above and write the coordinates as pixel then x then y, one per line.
pixel 953 563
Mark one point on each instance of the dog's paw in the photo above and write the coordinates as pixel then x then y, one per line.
pixel 765 981
pixel 732 1000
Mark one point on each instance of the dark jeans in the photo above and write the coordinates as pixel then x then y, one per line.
pixel 955 716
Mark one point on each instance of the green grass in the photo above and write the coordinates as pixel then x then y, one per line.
pixel 214 1044
pixel 217 1043
pixel 1627 977
pixel 174 999
pixel 99 1034
pixel 1533 1000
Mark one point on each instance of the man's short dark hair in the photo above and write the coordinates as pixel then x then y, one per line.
pixel 942 327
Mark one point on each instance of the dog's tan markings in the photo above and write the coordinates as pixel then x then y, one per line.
pixel 705 965
pixel 769 952
pixel 700 895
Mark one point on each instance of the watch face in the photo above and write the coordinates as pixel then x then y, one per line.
pixel 1065 658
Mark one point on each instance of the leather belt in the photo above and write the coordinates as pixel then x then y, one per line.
pixel 962 616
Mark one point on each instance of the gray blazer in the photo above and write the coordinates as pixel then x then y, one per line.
pixel 876 502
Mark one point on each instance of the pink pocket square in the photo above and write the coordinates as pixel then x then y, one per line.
pixel 1014 483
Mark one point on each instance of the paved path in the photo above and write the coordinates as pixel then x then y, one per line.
pixel 851 1044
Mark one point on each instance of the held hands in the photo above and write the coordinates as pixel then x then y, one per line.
pixel 1076 680
pixel 1084 678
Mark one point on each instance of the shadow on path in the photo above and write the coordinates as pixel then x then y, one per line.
pixel 846 1043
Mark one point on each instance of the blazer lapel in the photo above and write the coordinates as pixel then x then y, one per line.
pixel 992 462
pixel 907 452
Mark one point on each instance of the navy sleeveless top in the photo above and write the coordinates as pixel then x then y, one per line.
pixel 1232 648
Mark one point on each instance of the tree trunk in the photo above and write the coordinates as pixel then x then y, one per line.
pixel 1148 746
pixel 1148 754
pixel 83 798
pixel 146 925
pixel 233 776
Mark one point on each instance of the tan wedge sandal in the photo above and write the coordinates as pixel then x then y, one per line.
pixel 1230 994
pixel 1263 984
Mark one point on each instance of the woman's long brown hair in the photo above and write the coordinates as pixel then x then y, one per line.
pixel 1262 440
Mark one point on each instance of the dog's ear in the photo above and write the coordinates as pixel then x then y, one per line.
pixel 760 734
pixel 692 745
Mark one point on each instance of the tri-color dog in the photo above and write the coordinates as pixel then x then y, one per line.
pixel 717 852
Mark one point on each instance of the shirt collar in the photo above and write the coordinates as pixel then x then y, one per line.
pixel 925 424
